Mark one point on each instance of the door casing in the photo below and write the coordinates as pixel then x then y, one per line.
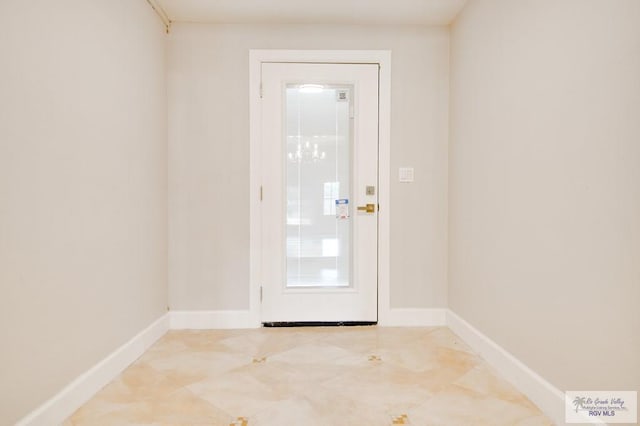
pixel 383 59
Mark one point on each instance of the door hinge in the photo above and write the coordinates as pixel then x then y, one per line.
pixel 260 192
pixel 260 294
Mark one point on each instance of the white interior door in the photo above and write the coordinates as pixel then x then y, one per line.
pixel 320 186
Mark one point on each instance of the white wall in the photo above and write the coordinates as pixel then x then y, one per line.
pixel 545 184
pixel 82 189
pixel 208 68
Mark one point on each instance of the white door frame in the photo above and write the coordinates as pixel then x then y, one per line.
pixel 383 59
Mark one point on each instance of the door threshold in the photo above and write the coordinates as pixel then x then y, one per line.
pixel 319 323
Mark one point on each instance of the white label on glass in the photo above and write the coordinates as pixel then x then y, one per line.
pixel 342 209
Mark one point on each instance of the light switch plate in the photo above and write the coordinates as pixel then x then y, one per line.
pixel 406 174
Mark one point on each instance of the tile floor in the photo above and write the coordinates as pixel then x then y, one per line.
pixel 340 376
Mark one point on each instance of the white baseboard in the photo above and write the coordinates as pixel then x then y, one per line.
pixel 542 393
pixel 413 317
pixel 204 320
pixel 547 397
pixel 57 409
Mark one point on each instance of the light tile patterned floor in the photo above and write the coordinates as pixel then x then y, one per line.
pixel 339 376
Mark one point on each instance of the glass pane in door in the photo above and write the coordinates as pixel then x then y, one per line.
pixel 318 170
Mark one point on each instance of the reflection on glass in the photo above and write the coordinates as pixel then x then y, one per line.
pixel 318 159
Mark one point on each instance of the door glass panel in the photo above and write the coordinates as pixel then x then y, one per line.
pixel 318 169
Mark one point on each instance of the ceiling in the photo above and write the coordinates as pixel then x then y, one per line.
pixel 407 12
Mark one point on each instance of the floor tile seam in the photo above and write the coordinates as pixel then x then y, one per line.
pixel 328 359
pixel 453 387
pixel 398 364
pixel 199 398
pixel 533 410
pixel 514 393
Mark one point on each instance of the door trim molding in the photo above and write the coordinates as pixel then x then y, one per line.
pixel 381 57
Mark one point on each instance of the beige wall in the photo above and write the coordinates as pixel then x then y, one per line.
pixel 545 184
pixel 82 189
pixel 208 73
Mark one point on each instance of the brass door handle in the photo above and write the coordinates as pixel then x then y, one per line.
pixel 369 208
